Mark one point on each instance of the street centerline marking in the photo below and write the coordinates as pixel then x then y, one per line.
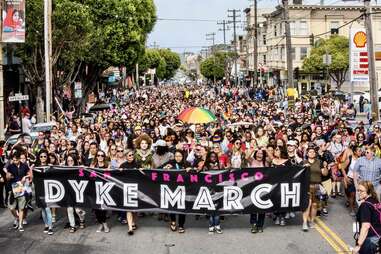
pixel 328 239
pixel 333 235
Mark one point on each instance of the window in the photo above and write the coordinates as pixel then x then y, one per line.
pixel 303 53
pixel 282 53
pixel 334 25
pixel 293 53
pixel 275 31
pixel 303 28
pixel 264 59
pixel 292 28
pixel 264 39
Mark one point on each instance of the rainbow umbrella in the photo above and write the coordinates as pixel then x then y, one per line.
pixel 196 115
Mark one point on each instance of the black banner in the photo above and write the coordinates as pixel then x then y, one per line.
pixel 242 191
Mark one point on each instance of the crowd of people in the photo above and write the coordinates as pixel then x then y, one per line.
pixel 253 130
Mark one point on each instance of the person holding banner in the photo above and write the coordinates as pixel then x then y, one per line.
pixel 101 215
pixel 317 169
pixel 179 163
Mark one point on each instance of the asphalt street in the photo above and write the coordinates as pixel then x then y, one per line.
pixel 153 236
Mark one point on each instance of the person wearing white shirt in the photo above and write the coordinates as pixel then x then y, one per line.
pixel 26 124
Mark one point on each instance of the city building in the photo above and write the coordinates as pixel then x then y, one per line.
pixel 305 20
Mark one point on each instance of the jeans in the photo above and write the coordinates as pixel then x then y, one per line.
pixel 214 220
pixel 101 215
pixel 47 217
pixel 369 246
pixel 70 214
pixel 258 219
pixel 181 219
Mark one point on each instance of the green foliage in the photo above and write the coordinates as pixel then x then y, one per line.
pixel 215 66
pixel 338 48
pixel 164 61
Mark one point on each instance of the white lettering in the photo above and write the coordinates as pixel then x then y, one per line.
pixel 232 198
pixel 176 198
pixel 103 195
pixel 130 193
pixel 204 200
pixel 256 196
pixel 287 194
pixel 79 188
pixel 51 186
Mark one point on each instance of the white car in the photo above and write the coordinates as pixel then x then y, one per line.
pixel 41 127
pixel 13 139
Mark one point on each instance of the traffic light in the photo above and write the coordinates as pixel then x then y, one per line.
pixel 296 73
pixel 312 40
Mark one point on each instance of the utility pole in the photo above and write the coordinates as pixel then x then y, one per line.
pixel 371 62
pixel 290 78
pixel 48 56
pixel 2 117
pixel 224 28
pixel 137 82
pixel 234 15
pixel 211 37
pixel 255 44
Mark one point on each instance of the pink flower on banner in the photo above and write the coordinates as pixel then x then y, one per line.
pixel 81 173
pixel 258 176
pixel 93 174
pixel 106 175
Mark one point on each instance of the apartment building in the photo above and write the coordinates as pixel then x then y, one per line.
pixel 305 20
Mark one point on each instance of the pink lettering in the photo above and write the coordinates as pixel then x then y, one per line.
pixel 244 176
pixel 166 177
pixel 208 178
pixel 194 178
pixel 258 176
pixel 220 178
pixel 153 176
pixel 93 174
pixel 81 173
pixel 180 178
pixel 106 175
pixel 231 177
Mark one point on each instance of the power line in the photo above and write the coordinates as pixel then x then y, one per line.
pixel 186 19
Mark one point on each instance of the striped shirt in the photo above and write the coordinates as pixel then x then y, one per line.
pixel 369 170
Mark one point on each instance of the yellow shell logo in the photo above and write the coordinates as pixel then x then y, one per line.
pixel 360 39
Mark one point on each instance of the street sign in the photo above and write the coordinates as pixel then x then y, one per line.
pixel 358 55
pixel 18 97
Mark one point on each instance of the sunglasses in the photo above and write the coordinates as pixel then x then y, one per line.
pixel 101 155
pixel 130 155
pixel 120 151
pixel 43 156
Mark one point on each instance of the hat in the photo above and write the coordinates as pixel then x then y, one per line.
pixel 291 143
pixel 320 142
pixel 138 128
pixel 160 142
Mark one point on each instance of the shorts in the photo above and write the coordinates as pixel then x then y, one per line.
pixel 13 203
pixel 313 193
pixel 351 186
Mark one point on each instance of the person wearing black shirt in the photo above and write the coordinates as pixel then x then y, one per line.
pixel 17 173
pixel 130 163
pixel 368 217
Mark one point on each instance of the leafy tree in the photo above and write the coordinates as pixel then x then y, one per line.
pixel 338 48
pixel 172 61
pixel 216 67
pixel 150 60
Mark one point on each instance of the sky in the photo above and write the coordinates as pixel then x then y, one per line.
pixel 179 35
pixel 188 36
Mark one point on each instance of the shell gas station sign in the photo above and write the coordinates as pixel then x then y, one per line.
pixel 358 55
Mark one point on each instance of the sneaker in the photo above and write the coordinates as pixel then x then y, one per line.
pixel 21 229
pixel 282 222
pixel 15 224
pixel 305 227
pixel 218 229
pixel 292 215
pixel 82 225
pixel 46 230
pixel 211 230
pixel 100 228
pixel 277 221
pixel 72 230
pixel 24 222
pixel 311 224
pixel 106 228
pixel 260 230
pixel 287 216
pixel 50 231
pixel 254 229
pixel 325 211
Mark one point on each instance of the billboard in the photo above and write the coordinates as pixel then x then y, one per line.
pixel 13 21
pixel 358 55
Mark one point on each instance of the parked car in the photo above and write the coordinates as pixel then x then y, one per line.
pixel 14 138
pixel 41 127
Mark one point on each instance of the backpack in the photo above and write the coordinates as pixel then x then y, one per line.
pixel 377 208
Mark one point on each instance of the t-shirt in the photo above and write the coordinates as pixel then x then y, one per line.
pixel 368 213
pixel 129 165
pixel 315 171
pixel 18 172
